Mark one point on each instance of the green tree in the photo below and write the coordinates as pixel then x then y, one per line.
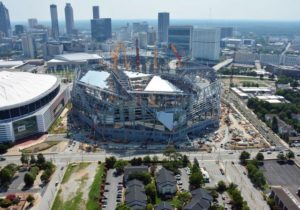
pixel 30 199
pixel 122 207
pixel 183 198
pixel 196 179
pixel 29 179
pixel 110 162
pixel 24 158
pixel 32 159
pixel 142 176
pixel 275 124
pixel 281 157
pixel 185 161
pixel 290 155
pixel 151 192
pixel 260 157
pixel 149 206
pixel 5 176
pixel 221 186
pixel 155 159
pixel 120 165
pixel 147 160
pixel 40 160
pixel 170 153
pixel 244 156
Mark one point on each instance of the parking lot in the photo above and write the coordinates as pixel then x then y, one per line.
pixel 286 175
pixel 113 190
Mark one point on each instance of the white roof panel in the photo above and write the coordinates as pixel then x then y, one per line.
pixel 21 87
pixel 157 84
pixel 77 57
pixel 96 78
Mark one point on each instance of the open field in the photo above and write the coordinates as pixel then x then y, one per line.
pixel 74 189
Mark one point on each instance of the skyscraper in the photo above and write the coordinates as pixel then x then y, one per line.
pixel 96 14
pixel 28 46
pixel 69 18
pixel 163 24
pixel 100 27
pixel 32 22
pixel 54 21
pixel 206 43
pixel 181 37
pixel 5 27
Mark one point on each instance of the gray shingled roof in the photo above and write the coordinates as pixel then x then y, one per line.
pixel 201 200
pixel 165 177
pixel 164 206
pixel 135 194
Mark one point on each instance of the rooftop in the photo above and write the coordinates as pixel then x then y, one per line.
pixel 76 57
pixel 165 176
pixel 21 87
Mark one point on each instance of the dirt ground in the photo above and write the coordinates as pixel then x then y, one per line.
pixel 79 182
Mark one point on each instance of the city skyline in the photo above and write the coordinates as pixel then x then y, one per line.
pixel 193 9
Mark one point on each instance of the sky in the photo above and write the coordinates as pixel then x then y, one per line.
pixel 21 10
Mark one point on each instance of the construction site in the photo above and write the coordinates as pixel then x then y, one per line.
pixel 152 97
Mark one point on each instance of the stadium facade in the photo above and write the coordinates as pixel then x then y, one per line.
pixel 132 106
pixel 29 103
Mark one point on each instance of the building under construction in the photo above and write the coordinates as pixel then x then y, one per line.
pixel 130 105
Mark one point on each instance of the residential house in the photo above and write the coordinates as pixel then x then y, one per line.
pixel 135 197
pixel 164 206
pixel 201 200
pixel 166 183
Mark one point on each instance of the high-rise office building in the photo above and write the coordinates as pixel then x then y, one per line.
pixel 54 21
pixel 206 43
pixel 101 29
pixel 28 46
pixel 96 13
pixel 5 27
pixel 32 22
pixel 151 36
pixel 69 18
pixel 181 37
pixel 19 29
pixel 163 24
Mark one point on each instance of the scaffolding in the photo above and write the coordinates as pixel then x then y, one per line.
pixel 124 111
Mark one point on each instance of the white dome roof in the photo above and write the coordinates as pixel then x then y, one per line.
pixel 20 88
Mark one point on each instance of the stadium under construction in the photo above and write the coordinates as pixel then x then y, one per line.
pixel 168 102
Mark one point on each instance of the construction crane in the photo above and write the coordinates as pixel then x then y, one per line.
pixel 137 58
pixel 178 56
pixel 155 59
pixel 115 56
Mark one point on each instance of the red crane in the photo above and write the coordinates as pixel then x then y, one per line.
pixel 178 56
pixel 137 58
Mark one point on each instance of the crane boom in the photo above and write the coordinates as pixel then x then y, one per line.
pixel 178 56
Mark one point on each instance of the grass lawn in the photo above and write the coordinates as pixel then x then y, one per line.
pixel 93 200
pixel 72 204
pixel 72 168
pixel 56 127
pixel 40 147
